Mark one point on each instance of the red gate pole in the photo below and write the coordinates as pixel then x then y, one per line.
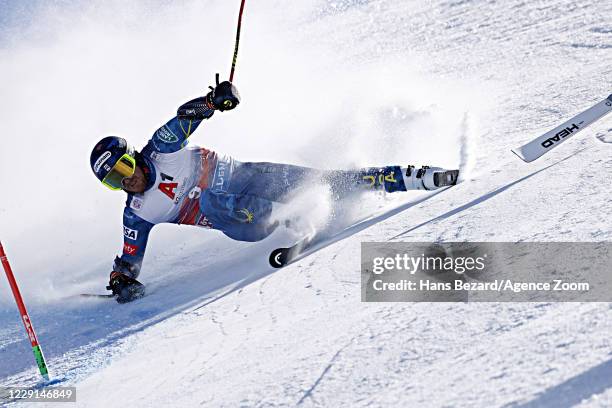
pixel 25 318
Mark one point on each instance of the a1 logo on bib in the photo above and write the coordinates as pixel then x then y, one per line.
pixel 167 188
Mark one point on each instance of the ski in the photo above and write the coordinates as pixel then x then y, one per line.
pixel 553 138
pixel 605 138
pixel 283 256
pixel 96 295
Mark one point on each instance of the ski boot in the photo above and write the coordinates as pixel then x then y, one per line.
pixel 428 178
pixel 124 288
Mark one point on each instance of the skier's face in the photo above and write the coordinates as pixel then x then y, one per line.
pixel 136 183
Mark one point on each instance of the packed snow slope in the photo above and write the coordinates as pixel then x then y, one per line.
pixel 331 84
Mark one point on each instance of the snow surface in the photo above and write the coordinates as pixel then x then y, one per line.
pixel 325 83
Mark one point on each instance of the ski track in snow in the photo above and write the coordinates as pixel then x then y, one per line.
pixel 221 328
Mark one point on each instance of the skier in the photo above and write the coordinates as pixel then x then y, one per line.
pixel 167 181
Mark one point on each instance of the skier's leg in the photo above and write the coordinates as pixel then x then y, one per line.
pixel 275 181
pixel 239 216
pixel 390 179
pixel 270 181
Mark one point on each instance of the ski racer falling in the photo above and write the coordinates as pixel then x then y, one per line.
pixel 168 181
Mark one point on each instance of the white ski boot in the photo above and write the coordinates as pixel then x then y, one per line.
pixel 428 178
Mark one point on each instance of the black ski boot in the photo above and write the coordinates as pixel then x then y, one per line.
pixel 124 288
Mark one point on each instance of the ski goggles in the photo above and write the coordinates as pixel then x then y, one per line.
pixel 124 168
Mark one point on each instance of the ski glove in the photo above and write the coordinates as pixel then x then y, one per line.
pixel 125 288
pixel 224 96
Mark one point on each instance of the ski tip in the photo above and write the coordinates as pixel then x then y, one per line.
pixel 278 258
pixel 610 98
pixel 520 155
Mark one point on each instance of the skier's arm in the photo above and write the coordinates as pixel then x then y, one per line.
pixel 173 135
pixel 135 237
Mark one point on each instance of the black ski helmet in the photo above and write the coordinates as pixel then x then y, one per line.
pixel 111 160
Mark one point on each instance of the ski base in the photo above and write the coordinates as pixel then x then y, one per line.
pixel 283 256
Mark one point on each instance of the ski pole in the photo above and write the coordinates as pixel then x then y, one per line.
pixel 231 78
pixel 27 322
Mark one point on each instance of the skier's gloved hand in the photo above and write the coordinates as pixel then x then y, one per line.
pixel 224 96
pixel 125 288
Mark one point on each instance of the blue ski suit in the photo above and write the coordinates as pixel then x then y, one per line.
pixel 195 186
